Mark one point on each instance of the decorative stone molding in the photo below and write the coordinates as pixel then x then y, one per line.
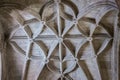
pixel 2 54
pixel 118 19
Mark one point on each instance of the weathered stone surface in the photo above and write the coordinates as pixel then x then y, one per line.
pixel 59 40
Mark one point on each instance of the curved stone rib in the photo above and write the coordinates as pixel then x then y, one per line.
pixel 61 58
pixel 27 22
pixel 100 36
pixel 104 45
pixel 67 29
pixel 92 47
pixel 28 31
pixel 18 17
pixel 115 50
pixel 52 17
pixel 85 69
pixel 52 29
pixel 102 12
pixel 88 19
pixel 39 30
pixel 78 49
pixel 26 68
pixel 71 68
pixel 69 46
pixel 96 63
pixel 52 48
pixel 92 29
pixel 93 6
pixel 44 7
pixel 42 47
pixel 66 16
pixel 37 58
pixel 68 77
pixel 13 32
pixel 13 5
pixel 27 62
pixel 74 37
pixel 43 65
pixel 72 6
pixel 81 30
pixel 52 68
pixel 33 12
pixel 59 14
pixel 106 29
pixel 82 72
pixel 17 48
pixel 23 23
pixel 58 19
pixel 93 21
